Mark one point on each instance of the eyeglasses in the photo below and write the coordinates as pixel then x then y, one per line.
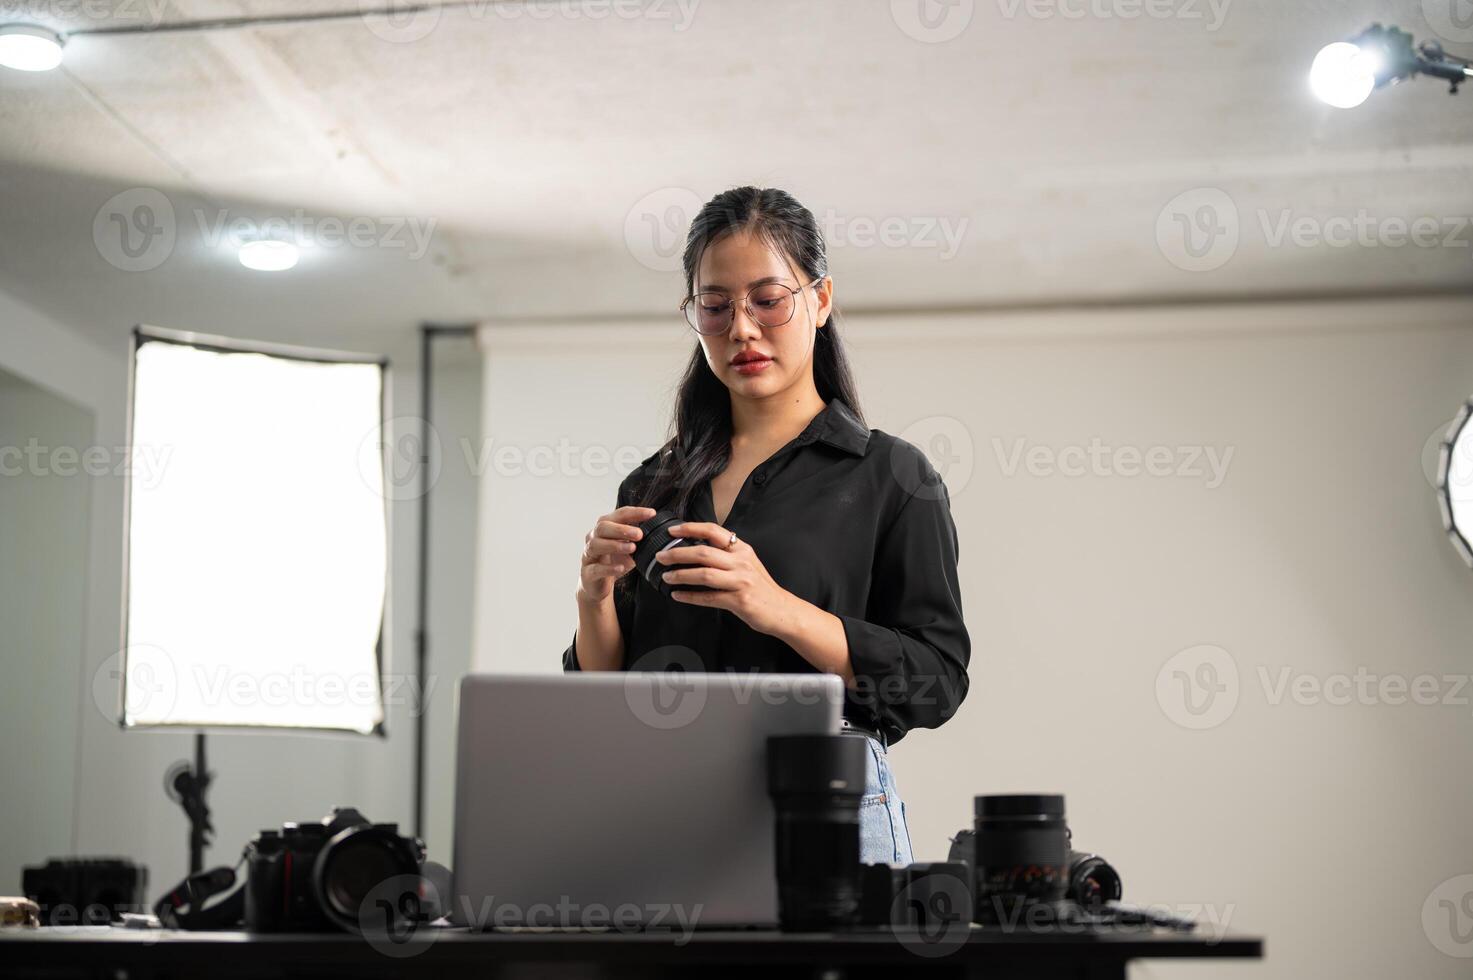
pixel 768 305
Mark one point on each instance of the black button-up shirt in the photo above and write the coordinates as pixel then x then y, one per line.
pixel 856 522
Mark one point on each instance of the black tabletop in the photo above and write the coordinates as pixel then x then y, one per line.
pixel 446 952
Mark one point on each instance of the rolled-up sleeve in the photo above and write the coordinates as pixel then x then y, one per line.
pixel 910 652
pixel 625 599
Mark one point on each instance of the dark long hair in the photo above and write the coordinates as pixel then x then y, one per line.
pixel 698 446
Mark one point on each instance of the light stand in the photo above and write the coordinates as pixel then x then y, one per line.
pixel 186 785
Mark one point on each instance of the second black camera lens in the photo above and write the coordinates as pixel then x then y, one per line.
pixel 1021 853
pixel 816 783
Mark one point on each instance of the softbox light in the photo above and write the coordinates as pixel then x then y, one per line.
pixel 256 568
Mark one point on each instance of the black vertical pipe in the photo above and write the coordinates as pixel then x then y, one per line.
pixel 421 644
pixel 197 824
pixel 428 333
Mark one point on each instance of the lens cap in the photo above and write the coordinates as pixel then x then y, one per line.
pixel 1040 806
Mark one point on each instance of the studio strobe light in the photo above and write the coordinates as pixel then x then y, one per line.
pixel 1344 73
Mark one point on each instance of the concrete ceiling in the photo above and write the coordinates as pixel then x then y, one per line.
pixel 548 156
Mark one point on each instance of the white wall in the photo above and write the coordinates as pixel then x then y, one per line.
pixel 43 529
pixel 564 418
pixel 1323 826
pixel 1321 552
pixel 261 779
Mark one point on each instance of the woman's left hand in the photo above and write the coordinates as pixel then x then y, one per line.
pixel 739 580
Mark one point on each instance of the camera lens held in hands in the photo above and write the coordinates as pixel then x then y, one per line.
pixel 655 539
pixel 816 782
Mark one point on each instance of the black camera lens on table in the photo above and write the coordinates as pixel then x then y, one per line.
pixel 1014 852
pixel 1092 880
pixel 1021 853
pixel 86 891
pixel 1016 859
pixel 816 783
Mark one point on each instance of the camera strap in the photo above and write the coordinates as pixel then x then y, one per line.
pixel 183 906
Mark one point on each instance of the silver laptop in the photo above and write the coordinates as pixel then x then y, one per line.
pixel 623 799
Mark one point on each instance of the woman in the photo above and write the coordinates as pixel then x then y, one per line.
pixel 823 545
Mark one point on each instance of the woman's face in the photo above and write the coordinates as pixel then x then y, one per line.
pixel 740 262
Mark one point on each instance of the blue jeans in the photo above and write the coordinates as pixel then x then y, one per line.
pixel 883 835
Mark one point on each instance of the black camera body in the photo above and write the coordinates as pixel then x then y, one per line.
pixel 931 896
pixel 315 877
pixel 1086 880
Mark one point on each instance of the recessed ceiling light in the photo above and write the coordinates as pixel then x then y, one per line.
pixel 28 48
pixel 267 255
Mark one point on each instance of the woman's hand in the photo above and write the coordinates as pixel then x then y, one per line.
pixel 739 580
pixel 607 551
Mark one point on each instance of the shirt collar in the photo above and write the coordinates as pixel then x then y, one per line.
pixel 838 426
